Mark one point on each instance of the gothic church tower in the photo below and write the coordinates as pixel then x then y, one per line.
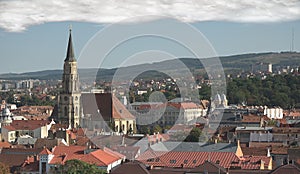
pixel 69 99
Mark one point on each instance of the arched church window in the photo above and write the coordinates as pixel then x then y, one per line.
pixel 76 110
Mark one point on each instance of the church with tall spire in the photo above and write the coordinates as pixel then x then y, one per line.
pixel 69 105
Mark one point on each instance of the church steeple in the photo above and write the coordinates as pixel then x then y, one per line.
pixel 69 100
pixel 70 51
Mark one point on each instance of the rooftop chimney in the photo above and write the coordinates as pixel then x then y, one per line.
pixel 268 153
pixel 262 165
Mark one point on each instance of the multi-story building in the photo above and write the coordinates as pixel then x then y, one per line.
pixel 169 113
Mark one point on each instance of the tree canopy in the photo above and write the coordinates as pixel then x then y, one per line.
pixel 278 90
pixel 79 167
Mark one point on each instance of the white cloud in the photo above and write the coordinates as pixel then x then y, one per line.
pixel 17 15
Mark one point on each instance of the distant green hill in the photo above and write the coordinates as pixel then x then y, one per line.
pixel 236 62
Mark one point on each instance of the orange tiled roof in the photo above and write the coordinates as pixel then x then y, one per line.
pixel 115 153
pixel 105 157
pixel 98 157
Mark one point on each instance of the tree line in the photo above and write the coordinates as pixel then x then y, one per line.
pixel 274 90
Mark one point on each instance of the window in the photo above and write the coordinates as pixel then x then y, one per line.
pixel 76 110
pixel 66 111
pixel 150 160
pixel 194 161
pixel 185 161
pixel 172 161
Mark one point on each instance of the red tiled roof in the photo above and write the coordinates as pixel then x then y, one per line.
pixel 295 113
pixel 120 111
pixel 194 159
pixel 45 151
pixel 185 105
pixel 253 162
pixel 115 153
pixel 188 159
pixel 98 157
pixel 5 144
pixel 26 124
pixel 9 127
pixel 251 118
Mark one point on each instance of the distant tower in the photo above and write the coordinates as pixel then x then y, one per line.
pixel 217 100
pixel 5 118
pixel 69 99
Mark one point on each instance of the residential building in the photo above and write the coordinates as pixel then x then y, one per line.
pixel 32 128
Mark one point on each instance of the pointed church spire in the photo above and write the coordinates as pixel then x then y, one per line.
pixel 70 52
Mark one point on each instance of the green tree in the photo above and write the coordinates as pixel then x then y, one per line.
pixel 194 135
pixel 79 167
pixel 156 129
pixel 144 130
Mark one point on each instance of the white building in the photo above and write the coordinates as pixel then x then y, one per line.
pixel 273 113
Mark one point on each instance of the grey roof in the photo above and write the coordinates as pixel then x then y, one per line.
pixel 143 144
pixel 193 147
pixel 26 141
pixel 253 128
pixel 70 51
pixel 261 137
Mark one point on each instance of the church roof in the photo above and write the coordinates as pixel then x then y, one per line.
pixel 70 51
pixel 105 104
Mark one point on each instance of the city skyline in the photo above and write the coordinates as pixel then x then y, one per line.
pixel 30 37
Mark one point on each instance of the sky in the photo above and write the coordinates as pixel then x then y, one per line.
pixel 34 33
